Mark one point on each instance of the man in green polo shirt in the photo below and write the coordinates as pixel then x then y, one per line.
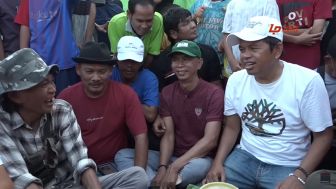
pixel 142 21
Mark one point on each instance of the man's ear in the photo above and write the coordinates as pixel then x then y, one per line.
pixel 128 14
pixel 78 67
pixel 327 59
pixel 278 49
pixel 173 34
pixel 200 64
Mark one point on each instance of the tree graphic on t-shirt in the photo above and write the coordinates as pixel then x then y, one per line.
pixel 263 118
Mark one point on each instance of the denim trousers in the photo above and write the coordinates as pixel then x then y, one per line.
pixel 245 171
pixel 192 173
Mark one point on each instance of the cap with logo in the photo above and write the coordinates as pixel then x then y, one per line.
pixel 130 48
pixel 94 53
pixel 23 70
pixel 186 47
pixel 257 28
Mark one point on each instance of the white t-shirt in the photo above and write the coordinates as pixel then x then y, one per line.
pixel 238 12
pixel 1 161
pixel 277 117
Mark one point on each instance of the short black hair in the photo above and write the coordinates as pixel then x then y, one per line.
pixel 172 18
pixel 331 49
pixel 272 42
pixel 133 3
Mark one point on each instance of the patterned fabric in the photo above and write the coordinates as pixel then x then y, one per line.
pixel 19 140
pixel 22 70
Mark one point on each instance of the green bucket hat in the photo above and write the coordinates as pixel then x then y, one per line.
pixel 186 47
pixel 23 70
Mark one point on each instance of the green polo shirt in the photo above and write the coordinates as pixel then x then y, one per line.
pixel 184 3
pixel 120 26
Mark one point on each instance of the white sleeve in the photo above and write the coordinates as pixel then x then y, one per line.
pixel 272 9
pixel 229 108
pixel 227 23
pixel 315 106
pixel 1 161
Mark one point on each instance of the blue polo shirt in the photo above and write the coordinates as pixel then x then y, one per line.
pixel 146 86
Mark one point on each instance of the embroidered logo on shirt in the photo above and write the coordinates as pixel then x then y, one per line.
pixel 94 119
pixel 198 111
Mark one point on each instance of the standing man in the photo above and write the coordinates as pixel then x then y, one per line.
pixel 142 21
pixel 9 30
pixel 106 110
pixel 303 22
pixel 46 27
pixel 40 140
pixel 277 105
pixel 192 112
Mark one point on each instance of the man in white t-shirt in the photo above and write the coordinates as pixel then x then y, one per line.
pixel 5 181
pixel 277 105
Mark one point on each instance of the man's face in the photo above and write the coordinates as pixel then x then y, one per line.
pixel 38 100
pixel 95 78
pixel 186 30
pixel 129 70
pixel 257 58
pixel 142 19
pixel 185 67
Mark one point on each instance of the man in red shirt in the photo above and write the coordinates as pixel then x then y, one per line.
pixel 106 110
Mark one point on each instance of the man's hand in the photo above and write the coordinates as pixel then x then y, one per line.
pixel 199 12
pixel 215 174
pixel 169 181
pixel 102 28
pixel 291 182
pixel 308 39
pixel 157 180
pixel 159 127
pixel 235 65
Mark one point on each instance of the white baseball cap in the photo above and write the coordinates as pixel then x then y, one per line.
pixel 257 28
pixel 130 48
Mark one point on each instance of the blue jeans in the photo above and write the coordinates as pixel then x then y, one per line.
pixel 245 171
pixel 192 173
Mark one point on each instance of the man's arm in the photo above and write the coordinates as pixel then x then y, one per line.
pixel 320 146
pixel 228 140
pixel 2 50
pixel 141 150
pixel 24 36
pixel 89 179
pixel 166 150
pixel 150 112
pixel 223 46
pixel 305 36
pixel 5 181
pixel 202 147
pixel 91 24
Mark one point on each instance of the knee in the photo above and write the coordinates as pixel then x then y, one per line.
pixel 140 177
pixel 125 153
